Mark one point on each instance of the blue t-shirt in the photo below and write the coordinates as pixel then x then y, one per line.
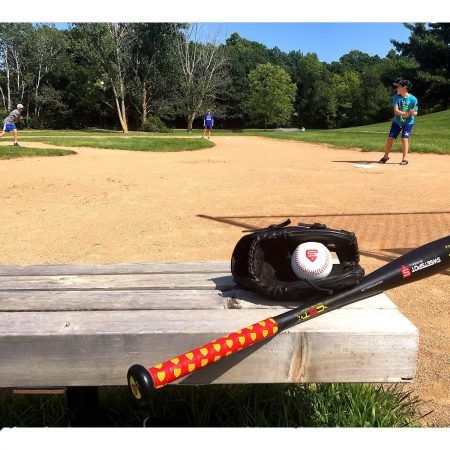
pixel 405 104
pixel 208 120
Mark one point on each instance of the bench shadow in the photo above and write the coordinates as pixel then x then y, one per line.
pixel 245 222
pixel 223 283
pixel 235 296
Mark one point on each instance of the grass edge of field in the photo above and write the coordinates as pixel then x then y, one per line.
pixel 31 152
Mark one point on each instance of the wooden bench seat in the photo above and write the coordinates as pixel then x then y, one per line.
pixel 84 325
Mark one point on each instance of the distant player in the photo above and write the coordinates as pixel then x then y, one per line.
pixel 9 124
pixel 405 109
pixel 208 123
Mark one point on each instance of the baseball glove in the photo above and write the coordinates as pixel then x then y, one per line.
pixel 261 261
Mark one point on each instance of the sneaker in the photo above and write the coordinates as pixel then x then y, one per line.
pixel 383 160
pixel 404 162
pixel 16 144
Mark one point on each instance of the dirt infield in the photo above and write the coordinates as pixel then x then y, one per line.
pixel 104 206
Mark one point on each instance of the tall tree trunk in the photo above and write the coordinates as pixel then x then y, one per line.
pixel 36 92
pixel 3 97
pixel 8 81
pixel 23 92
pixel 120 105
pixel 190 120
pixel 144 103
pixel 124 117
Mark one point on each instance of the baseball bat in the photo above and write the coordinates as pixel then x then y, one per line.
pixel 415 265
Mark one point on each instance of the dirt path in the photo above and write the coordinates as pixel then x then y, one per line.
pixel 119 206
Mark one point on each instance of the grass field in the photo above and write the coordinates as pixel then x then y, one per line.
pixel 297 405
pixel 8 152
pixel 431 134
pixel 125 143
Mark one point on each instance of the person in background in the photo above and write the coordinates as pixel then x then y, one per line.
pixel 208 123
pixel 9 123
pixel 405 109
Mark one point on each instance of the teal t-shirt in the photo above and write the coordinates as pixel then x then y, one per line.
pixel 405 105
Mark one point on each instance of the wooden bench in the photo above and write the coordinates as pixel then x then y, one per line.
pixel 84 325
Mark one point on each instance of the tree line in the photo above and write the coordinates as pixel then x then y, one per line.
pixel 150 76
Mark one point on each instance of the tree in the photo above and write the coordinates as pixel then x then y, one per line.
pixel 315 95
pixel 108 47
pixel 14 38
pixel 48 46
pixel 153 65
pixel 375 100
pixel 358 61
pixel 244 55
pixel 347 87
pixel 272 95
pixel 204 71
pixel 88 97
pixel 429 45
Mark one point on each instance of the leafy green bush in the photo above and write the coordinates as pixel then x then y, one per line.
pixel 154 124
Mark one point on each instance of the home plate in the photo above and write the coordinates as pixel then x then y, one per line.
pixel 364 166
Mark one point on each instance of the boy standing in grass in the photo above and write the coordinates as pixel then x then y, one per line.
pixel 208 122
pixel 405 109
pixel 9 124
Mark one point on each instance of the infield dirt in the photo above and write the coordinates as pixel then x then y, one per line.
pixel 111 206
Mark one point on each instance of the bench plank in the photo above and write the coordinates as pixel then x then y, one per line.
pixel 96 348
pixel 84 325
pixel 189 299
pixel 121 281
pixel 116 269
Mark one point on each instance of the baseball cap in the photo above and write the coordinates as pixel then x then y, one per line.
pixel 20 106
pixel 405 83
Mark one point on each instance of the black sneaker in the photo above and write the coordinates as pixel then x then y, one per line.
pixel 383 159
pixel 404 162
pixel 16 144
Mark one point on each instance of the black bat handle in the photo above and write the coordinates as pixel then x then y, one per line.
pixel 415 265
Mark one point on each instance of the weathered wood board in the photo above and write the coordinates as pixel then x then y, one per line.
pixel 84 325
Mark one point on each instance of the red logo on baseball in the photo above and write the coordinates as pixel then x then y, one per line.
pixel 406 272
pixel 311 254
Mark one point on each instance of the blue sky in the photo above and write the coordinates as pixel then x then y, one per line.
pixel 329 40
pixel 330 28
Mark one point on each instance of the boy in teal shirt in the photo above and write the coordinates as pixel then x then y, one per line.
pixel 405 109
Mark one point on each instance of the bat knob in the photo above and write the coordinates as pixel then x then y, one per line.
pixel 140 383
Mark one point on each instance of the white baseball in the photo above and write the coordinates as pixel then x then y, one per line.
pixel 311 261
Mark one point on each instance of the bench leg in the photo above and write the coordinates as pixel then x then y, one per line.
pixel 83 404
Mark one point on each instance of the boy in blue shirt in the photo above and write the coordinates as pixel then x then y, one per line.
pixel 208 122
pixel 405 109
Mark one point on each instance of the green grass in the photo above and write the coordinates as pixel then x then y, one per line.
pixel 9 152
pixel 131 134
pixel 287 405
pixel 126 143
pixel 431 134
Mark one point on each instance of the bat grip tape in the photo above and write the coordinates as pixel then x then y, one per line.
pixel 142 381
